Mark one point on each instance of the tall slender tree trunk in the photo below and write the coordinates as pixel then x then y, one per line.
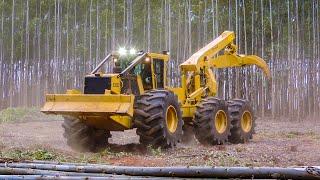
pixel 262 55
pixel 26 65
pixel 2 60
pixel 273 85
pixel 11 81
pixel 148 26
pixel 189 27
pixel 90 35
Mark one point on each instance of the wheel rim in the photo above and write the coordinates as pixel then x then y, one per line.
pixel 246 121
pixel 172 119
pixel 220 121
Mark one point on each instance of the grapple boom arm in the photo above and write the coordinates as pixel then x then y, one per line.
pixel 234 60
pixel 197 76
pixel 196 61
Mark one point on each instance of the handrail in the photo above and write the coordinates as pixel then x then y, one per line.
pixel 100 64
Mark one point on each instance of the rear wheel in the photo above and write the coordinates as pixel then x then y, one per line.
pixel 242 120
pixel 211 122
pixel 157 117
pixel 82 137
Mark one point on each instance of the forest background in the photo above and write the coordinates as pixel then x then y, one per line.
pixel 47 46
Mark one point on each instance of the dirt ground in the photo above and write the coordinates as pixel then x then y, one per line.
pixel 275 144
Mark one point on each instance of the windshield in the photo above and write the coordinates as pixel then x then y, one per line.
pixel 125 61
pixel 129 64
pixel 121 64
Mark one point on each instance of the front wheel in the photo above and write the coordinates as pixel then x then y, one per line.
pixel 158 118
pixel 84 138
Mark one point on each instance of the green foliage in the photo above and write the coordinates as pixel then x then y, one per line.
pixel 38 154
pixel 110 152
pixel 41 155
pixel 155 151
pixel 24 114
pixel 293 134
pixel 14 114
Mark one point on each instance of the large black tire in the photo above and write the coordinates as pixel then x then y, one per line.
pixel 150 118
pixel 206 130
pixel 242 130
pixel 84 138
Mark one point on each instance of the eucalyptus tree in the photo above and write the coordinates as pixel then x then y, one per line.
pixel 48 46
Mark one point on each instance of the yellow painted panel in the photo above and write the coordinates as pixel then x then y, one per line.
pixel 188 111
pixel 180 92
pixel 109 122
pixel 140 84
pixel 85 103
pixel 73 91
pixel 165 57
pixel 124 121
pixel 116 84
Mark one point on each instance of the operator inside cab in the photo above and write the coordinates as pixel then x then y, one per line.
pixel 117 67
pixel 143 69
pixel 146 75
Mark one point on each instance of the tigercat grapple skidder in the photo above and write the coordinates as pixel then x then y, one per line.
pixel 136 95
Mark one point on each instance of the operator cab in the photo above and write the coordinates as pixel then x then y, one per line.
pixel 151 72
pixel 146 72
pixel 131 74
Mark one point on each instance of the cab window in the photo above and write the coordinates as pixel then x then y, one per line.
pixel 146 75
pixel 158 70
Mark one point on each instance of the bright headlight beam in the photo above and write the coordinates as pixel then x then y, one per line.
pixel 122 51
pixel 132 51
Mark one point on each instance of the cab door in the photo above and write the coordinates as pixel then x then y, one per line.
pixel 158 73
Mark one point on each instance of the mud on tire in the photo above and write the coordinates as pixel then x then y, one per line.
pixel 82 137
pixel 205 129
pixel 150 118
pixel 241 132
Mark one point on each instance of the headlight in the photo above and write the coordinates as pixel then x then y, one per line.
pixel 122 51
pixel 147 59
pixel 132 51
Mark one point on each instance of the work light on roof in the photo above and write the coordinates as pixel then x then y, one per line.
pixel 122 51
pixel 132 51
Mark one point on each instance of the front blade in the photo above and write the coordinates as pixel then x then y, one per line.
pixel 88 104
